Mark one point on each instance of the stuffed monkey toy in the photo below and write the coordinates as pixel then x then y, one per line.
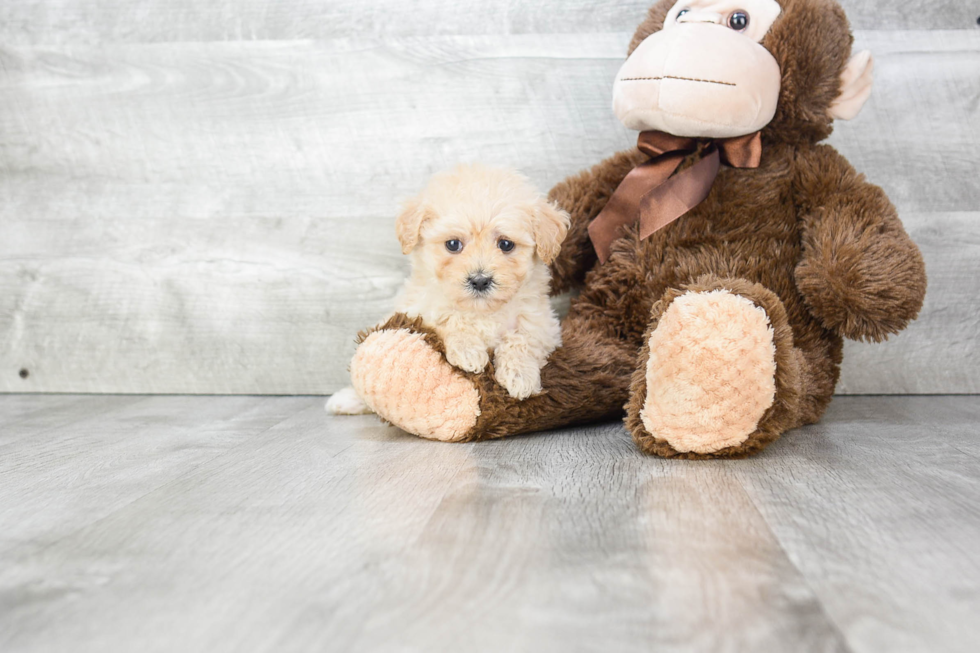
pixel 720 264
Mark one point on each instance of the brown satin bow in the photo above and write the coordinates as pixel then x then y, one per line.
pixel 651 196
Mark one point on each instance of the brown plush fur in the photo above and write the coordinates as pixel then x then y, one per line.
pixel 803 236
pixel 586 379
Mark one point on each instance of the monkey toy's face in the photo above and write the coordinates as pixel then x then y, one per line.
pixel 705 74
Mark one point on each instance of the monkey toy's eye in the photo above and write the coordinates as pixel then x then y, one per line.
pixel 505 245
pixel 454 246
pixel 738 21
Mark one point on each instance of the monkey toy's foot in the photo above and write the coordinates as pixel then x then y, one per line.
pixel 718 374
pixel 401 373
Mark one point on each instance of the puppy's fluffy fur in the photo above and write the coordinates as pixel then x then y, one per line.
pixel 480 240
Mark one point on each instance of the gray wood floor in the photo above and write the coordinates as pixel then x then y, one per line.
pixel 261 524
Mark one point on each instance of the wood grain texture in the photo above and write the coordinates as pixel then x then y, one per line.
pixel 298 531
pixel 113 21
pixel 18 409
pixel 230 231
pixel 108 455
pixel 905 486
pixel 917 135
pixel 216 217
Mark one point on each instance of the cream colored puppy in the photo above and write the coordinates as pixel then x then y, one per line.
pixel 480 240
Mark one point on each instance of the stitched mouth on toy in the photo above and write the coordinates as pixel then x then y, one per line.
pixel 683 79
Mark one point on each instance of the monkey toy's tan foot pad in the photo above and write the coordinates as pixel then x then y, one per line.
pixel 404 379
pixel 710 377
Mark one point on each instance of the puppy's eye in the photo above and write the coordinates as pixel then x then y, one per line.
pixel 682 12
pixel 505 245
pixel 738 21
pixel 454 246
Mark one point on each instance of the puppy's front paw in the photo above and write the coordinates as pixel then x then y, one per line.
pixel 469 357
pixel 520 377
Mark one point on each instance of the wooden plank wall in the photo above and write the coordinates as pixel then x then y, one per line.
pixel 198 197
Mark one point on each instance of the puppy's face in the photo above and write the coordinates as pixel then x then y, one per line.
pixel 476 234
pixel 479 261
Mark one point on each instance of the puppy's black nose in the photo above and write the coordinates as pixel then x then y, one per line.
pixel 480 282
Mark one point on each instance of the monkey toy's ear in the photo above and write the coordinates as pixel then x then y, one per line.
pixel 550 227
pixel 855 87
pixel 408 224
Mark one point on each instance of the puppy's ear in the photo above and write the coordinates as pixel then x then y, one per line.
pixel 550 227
pixel 408 224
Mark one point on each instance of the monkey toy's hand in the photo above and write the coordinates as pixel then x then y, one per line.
pixel 860 274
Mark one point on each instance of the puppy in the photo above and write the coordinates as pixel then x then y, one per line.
pixel 480 240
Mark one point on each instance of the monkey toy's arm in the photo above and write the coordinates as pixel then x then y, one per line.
pixel 583 196
pixel 860 273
